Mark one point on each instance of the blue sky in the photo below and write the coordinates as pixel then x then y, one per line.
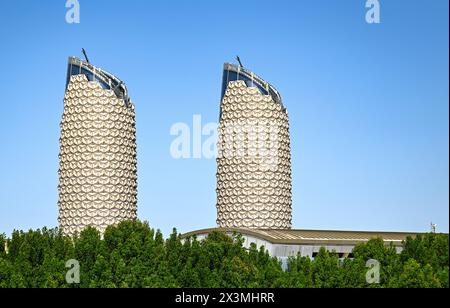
pixel 368 103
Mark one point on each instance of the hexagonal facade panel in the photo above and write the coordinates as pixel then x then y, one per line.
pixel 97 170
pixel 254 162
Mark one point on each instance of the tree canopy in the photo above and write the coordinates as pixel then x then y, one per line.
pixel 133 255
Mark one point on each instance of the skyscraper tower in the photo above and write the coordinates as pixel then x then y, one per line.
pixel 254 162
pixel 97 169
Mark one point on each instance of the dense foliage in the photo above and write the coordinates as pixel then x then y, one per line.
pixel 133 255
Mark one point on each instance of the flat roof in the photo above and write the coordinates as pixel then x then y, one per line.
pixel 313 237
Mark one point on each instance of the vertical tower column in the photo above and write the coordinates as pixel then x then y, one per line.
pixel 97 170
pixel 254 163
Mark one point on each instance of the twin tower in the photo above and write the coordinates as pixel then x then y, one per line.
pixel 98 158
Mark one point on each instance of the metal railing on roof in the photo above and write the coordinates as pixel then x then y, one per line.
pixel 114 83
pixel 255 78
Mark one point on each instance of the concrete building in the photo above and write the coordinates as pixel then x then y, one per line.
pixel 289 243
pixel 254 161
pixel 97 170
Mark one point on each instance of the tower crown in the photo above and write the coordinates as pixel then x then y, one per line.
pixel 232 72
pixel 106 80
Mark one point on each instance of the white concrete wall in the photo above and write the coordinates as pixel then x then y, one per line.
pixel 292 250
pixel 284 251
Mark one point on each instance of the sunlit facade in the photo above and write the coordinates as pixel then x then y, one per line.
pixel 97 170
pixel 254 163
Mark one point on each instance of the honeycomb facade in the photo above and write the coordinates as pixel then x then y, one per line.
pixel 97 171
pixel 254 168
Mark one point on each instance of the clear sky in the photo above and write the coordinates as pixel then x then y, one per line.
pixel 368 103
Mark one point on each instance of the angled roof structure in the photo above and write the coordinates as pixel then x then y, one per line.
pixel 232 72
pixel 313 237
pixel 106 80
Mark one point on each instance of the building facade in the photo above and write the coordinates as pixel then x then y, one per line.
pixel 284 244
pixel 98 160
pixel 254 162
pixel 254 177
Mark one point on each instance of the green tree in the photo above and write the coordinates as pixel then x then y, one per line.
pixel 88 248
pixel 3 245
pixel 327 271
pixel 386 255
pixel 299 273
pixel 429 249
pixel 416 276
pixel 133 255
pixel 5 265
pixel 354 273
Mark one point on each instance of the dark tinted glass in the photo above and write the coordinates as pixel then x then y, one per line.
pixel 77 70
pixel 233 76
